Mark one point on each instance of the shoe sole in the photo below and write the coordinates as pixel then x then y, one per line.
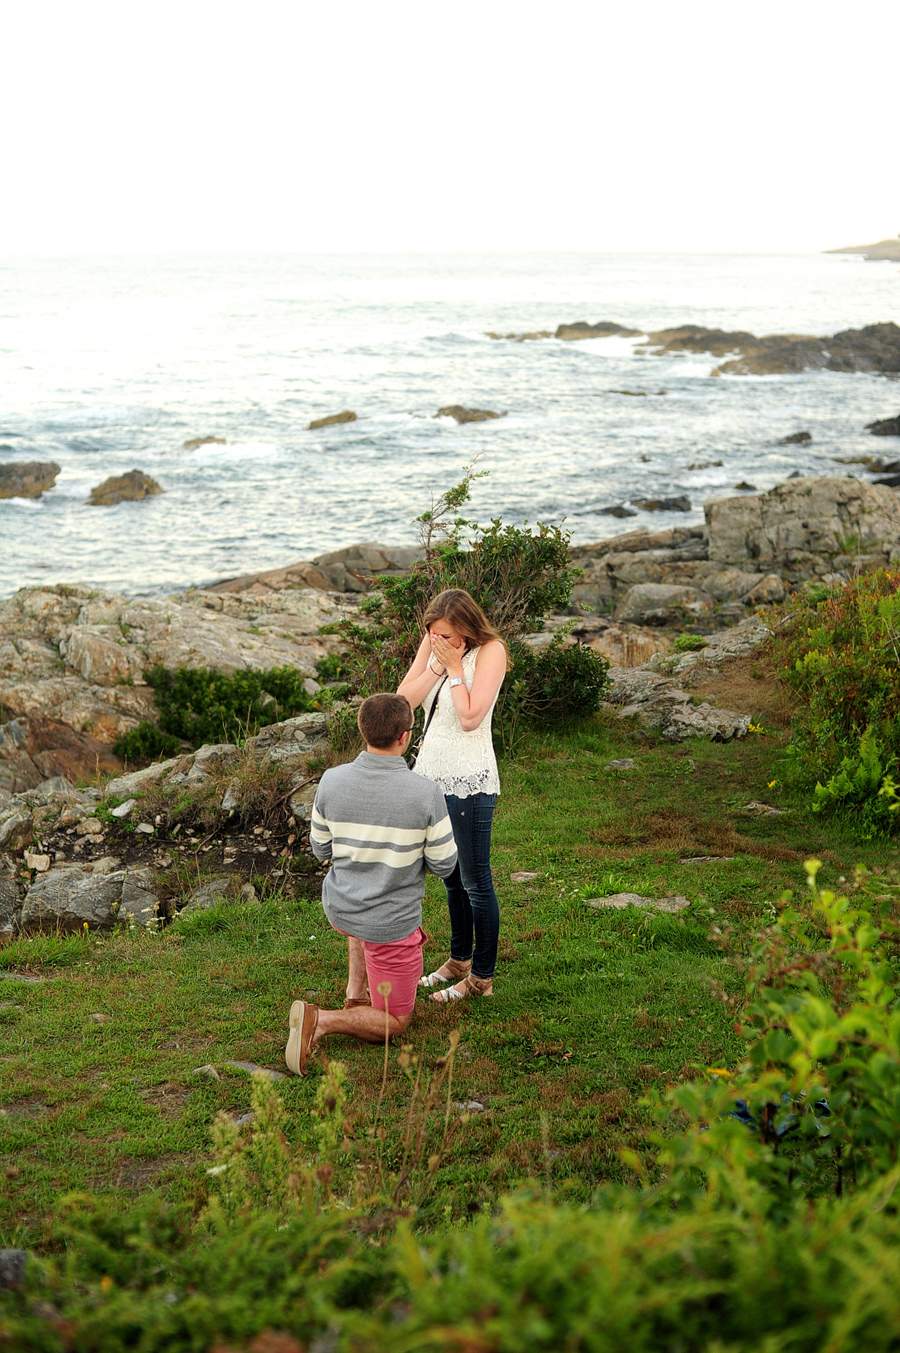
pixel 292 1050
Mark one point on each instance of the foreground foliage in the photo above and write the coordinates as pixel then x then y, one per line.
pixel 765 1216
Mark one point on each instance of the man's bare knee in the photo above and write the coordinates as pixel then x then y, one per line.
pixel 400 1023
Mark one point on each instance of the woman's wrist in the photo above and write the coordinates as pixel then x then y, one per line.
pixel 438 671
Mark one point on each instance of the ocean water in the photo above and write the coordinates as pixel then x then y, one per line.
pixel 109 364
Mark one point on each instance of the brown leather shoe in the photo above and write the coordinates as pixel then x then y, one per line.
pixel 353 1002
pixel 303 1020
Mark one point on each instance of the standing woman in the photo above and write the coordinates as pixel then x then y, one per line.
pixel 461 664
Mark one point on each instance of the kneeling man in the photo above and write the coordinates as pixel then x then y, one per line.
pixel 382 828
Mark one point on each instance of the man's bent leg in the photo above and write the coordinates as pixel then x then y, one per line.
pixel 356 970
pixel 372 1026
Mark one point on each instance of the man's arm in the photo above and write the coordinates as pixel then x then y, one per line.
pixel 320 838
pixel 440 847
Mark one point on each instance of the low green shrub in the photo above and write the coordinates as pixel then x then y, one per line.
pixel 200 705
pixel 840 655
pixel 689 643
pixel 145 743
pixel 861 790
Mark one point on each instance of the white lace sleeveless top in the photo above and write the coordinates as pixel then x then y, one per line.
pixel 461 763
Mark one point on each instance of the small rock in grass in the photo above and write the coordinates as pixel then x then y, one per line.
pixel 146 827
pixel 523 876
pixel 89 826
pixel 705 859
pixel 468 1106
pixel 622 900
pixel 99 1019
pixel 623 763
pixel 39 863
pixel 12 1268
pixel 762 809
pixel 123 809
pixel 209 1072
pixel 251 1067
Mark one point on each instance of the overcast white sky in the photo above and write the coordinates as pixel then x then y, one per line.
pixel 481 124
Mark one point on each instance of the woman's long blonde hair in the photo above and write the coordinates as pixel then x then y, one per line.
pixel 465 615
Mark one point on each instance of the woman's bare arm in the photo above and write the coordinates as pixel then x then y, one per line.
pixel 490 669
pixel 420 678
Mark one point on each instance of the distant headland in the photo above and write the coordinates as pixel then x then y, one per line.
pixel 874 253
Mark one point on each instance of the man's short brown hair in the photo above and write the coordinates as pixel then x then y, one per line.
pixel 382 718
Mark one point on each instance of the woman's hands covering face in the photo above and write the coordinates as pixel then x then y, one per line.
pixel 445 653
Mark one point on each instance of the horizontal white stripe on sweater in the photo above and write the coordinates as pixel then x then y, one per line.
pixel 397 859
pixel 377 832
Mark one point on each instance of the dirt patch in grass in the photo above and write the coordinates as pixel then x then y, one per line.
pixel 687 834
pixel 750 686
pixel 168 1098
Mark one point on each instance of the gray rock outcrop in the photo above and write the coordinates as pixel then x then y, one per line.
pixel 332 420
pixel 885 427
pixel 194 443
pixel 581 329
pixel 805 527
pixel 68 898
pixel 131 487
pixel 27 478
pixel 461 415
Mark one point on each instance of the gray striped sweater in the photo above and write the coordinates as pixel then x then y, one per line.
pixel 381 827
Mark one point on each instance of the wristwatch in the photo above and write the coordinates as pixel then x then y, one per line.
pixel 454 681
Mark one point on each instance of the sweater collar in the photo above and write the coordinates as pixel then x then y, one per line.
pixel 385 763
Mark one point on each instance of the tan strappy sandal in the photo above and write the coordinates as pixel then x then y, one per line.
pixel 458 969
pixel 471 986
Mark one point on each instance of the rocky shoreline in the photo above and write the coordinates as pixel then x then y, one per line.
pixel 73 663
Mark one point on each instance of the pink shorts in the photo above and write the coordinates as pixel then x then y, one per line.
pixel 401 965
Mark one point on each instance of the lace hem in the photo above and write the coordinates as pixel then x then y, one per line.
pixel 467 786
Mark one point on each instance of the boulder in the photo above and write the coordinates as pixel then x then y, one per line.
pixel 695 338
pixel 885 427
pixel 194 443
pixel 131 487
pixel 290 743
pixel 581 329
pixel 796 439
pixel 796 525
pixel 68 898
pixel 303 574
pixel 873 348
pixel 659 604
pixel 467 415
pixel 680 504
pixel 139 904
pixel 523 338
pixel 33 750
pixel 744 487
pixel 9 899
pixel 209 894
pixel 332 420
pixel 659 703
pixel 619 510
pixel 16 827
pixel 27 478
pixel 355 567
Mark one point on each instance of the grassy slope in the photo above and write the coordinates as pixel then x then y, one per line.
pixel 593 1007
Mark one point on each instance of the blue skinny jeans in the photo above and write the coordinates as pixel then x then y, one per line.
pixel 471 900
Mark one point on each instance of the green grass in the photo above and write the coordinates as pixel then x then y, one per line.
pixel 593 1007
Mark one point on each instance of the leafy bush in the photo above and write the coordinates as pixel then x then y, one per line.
pixel 516 575
pixel 861 787
pixel 147 742
pixel 840 654
pixel 820 1085
pixel 689 643
pixel 200 705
